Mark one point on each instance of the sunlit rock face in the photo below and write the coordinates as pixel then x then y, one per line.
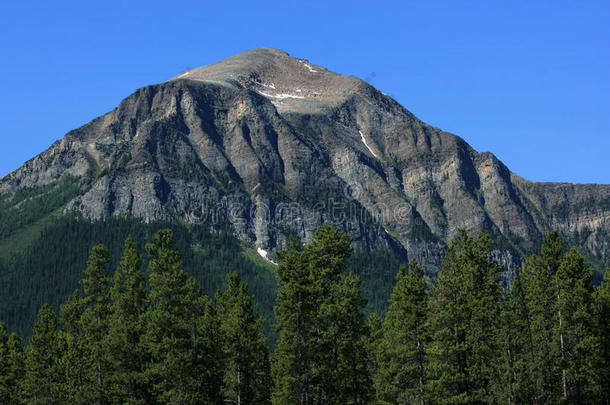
pixel 278 145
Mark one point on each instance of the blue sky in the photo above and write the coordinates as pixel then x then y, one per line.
pixel 526 80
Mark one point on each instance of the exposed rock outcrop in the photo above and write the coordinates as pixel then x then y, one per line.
pixel 277 145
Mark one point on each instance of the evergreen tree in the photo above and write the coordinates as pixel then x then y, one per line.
pixel 5 386
pixel 322 332
pixel 16 367
pixel 545 340
pixel 552 252
pixel 463 321
pixel 602 305
pixel 374 338
pixel 296 315
pixel 42 380
pixel 538 296
pixel 94 324
pixel 558 302
pixel 354 383
pixel 516 383
pixel 11 366
pixel 247 377
pixel 122 344
pixel 84 325
pixel 326 259
pixel 73 362
pixel 401 351
pixel 577 339
pixel 180 335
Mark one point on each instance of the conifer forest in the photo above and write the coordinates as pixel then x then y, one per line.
pixel 144 332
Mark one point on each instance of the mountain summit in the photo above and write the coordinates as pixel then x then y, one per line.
pixel 291 84
pixel 277 145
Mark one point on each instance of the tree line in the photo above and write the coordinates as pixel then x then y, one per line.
pixel 152 337
pixel 54 264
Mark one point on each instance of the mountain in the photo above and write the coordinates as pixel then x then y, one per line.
pixel 276 145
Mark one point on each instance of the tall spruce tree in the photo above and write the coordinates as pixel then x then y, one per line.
pixel 11 366
pixel 463 322
pixel 73 361
pixel 602 311
pixel 401 351
pixel 539 309
pixel 4 368
pixel 296 315
pixel 5 386
pixel 15 369
pixel 576 333
pixel 326 259
pixel 247 378
pixel 94 326
pixel 320 325
pixel 122 344
pixel 558 301
pixel 374 339
pixel 180 332
pixel 552 253
pixel 516 383
pixel 354 383
pixel 42 379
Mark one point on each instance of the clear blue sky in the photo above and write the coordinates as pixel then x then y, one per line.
pixel 526 80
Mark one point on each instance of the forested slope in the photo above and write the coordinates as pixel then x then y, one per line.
pixel 147 333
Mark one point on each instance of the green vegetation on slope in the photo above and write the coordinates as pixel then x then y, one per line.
pixel 49 268
pixel 156 337
pixel 24 213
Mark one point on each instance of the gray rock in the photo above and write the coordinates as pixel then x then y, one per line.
pixel 277 145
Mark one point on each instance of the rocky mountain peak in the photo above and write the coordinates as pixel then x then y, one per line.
pixel 291 84
pixel 278 145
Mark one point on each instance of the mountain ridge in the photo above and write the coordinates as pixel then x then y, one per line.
pixel 279 145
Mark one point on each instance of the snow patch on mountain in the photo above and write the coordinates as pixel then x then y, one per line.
pixel 367 145
pixel 280 96
pixel 263 253
pixel 308 66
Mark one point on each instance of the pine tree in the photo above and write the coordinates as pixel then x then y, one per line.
pixel 552 250
pixel 401 351
pixel 322 332
pixel 12 363
pixel 326 259
pixel 180 335
pixel 354 383
pixel 84 325
pixel 516 383
pixel 122 345
pixel 73 362
pixel 539 309
pixel 42 379
pixel 11 366
pixel 247 377
pixel 5 387
pixel 558 302
pixel 296 315
pixel 463 322
pixel 578 341
pixel 374 338
pixel 94 324
pixel 602 312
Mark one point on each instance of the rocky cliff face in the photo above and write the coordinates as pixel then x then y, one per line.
pixel 277 145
